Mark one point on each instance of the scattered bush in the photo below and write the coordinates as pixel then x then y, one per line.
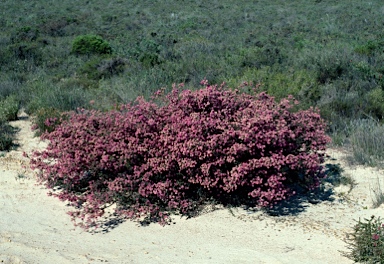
pixel 46 120
pixel 375 103
pixel 148 52
pixel 57 27
pixel 8 87
pixel 367 241
pixel 24 34
pixel 370 47
pixel 9 107
pixel 99 68
pixel 301 83
pixel 78 81
pixel 26 51
pixel 7 134
pixel 258 57
pixel 90 44
pixel 152 160
pixel 367 143
pixel 57 97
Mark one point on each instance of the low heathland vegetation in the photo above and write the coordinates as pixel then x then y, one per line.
pixel 99 55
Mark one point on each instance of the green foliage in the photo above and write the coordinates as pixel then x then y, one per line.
pixel 364 69
pixel 329 70
pixel 55 97
pixel 366 243
pixel 7 135
pixel 78 82
pixel 26 51
pixel 370 47
pixel 99 68
pixel 57 26
pixel 90 44
pixel 367 142
pixel 301 84
pixel 46 120
pixel 267 55
pixel 148 53
pixel 24 34
pixel 9 107
pixel 378 193
pixel 375 103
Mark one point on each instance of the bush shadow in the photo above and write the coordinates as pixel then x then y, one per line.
pixel 294 205
pixel 303 198
pixel 109 223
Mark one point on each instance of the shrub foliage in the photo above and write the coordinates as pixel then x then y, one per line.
pixel 175 151
pixel 366 242
pixel 90 44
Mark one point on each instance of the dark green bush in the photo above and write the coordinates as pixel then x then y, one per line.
pixel 375 103
pixel 7 134
pixel 267 55
pixel 24 34
pixel 9 107
pixel 57 27
pixel 99 68
pixel 329 72
pixel 80 81
pixel 46 119
pixel 58 98
pixel 26 51
pixel 370 47
pixel 90 44
pixel 148 53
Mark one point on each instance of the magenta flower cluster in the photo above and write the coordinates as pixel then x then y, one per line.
pixel 175 151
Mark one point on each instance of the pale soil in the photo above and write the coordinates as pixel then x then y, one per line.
pixel 34 228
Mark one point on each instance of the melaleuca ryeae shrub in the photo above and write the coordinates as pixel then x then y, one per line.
pixel 152 160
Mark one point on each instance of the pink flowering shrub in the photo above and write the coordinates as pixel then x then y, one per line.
pixel 151 160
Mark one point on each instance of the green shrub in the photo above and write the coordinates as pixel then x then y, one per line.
pixel 8 86
pixel 9 108
pixel 375 103
pixel 367 241
pixel 90 44
pixel 267 55
pixel 24 34
pixel 370 47
pixel 57 26
pixel 79 81
pixel 7 134
pixel 46 120
pixel 367 142
pixel 301 83
pixel 149 59
pixel 58 98
pixel 99 68
pixel 364 70
pixel 26 51
pixel 148 52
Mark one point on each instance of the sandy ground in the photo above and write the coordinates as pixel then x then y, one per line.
pixel 34 228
